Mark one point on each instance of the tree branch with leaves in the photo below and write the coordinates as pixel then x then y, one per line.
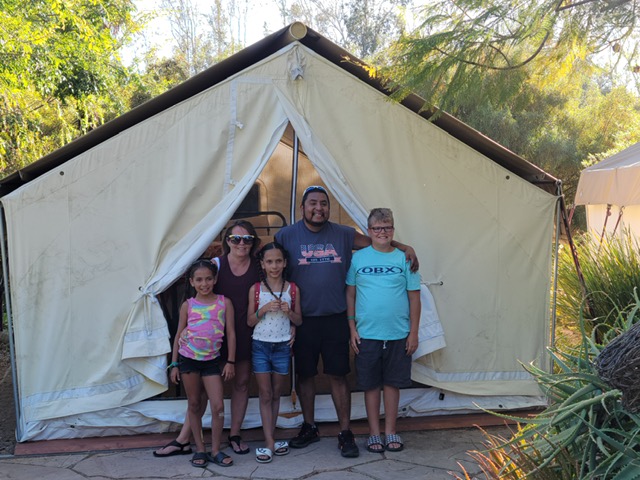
pixel 458 39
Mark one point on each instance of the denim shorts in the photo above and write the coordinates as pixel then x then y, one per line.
pixel 203 367
pixel 271 357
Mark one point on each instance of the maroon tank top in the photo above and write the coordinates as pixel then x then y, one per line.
pixel 237 290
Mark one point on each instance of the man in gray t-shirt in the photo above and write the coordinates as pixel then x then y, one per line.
pixel 319 258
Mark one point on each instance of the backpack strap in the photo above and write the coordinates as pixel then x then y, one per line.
pixel 293 289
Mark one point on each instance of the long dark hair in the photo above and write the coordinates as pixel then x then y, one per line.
pixel 189 291
pixel 248 226
pixel 260 257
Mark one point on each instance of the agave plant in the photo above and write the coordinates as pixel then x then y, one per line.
pixel 586 432
pixel 517 460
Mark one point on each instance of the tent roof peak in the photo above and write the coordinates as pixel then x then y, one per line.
pixel 295 32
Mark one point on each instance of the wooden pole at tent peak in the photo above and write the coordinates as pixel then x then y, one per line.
pixel 298 30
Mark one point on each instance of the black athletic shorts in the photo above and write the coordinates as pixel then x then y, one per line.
pixel 383 362
pixel 326 336
pixel 203 367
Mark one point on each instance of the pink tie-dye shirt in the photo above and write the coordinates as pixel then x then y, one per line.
pixel 202 338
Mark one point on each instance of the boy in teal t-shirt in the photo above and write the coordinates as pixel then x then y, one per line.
pixel 383 308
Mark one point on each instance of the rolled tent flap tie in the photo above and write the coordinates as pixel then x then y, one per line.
pixel 146 340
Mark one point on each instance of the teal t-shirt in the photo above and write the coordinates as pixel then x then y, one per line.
pixel 382 303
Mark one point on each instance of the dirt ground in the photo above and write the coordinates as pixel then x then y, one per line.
pixel 8 415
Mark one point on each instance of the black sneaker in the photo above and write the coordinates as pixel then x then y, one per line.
pixel 306 436
pixel 347 444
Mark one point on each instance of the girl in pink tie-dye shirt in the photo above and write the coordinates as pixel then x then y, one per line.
pixel 204 321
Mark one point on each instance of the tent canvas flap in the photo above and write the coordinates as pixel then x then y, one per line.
pixel 125 222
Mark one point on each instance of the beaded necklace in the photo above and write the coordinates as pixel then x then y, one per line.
pixel 279 297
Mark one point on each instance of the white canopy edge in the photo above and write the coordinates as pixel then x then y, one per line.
pixel 615 180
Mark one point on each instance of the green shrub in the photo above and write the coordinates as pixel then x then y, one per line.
pixel 611 271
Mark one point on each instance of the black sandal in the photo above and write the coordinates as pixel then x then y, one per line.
pixel 237 439
pixel 200 459
pixel 219 459
pixel 183 449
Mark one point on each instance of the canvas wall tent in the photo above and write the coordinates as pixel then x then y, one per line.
pixel 98 228
pixel 610 190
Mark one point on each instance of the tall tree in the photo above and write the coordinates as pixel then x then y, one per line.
pixel 192 44
pixel 459 40
pixel 59 72
pixel 550 80
pixel 203 37
pixel 228 24
pixel 552 122
pixel 364 27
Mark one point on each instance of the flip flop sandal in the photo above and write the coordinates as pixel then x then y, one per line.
pixel 237 439
pixel 374 444
pixel 200 460
pixel 281 448
pixel 263 455
pixel 183 449
pixel 219 459
pixel 394 438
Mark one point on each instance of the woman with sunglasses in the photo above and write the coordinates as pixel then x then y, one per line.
pixel 238 272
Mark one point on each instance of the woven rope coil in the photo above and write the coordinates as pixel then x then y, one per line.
pixel 618 364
